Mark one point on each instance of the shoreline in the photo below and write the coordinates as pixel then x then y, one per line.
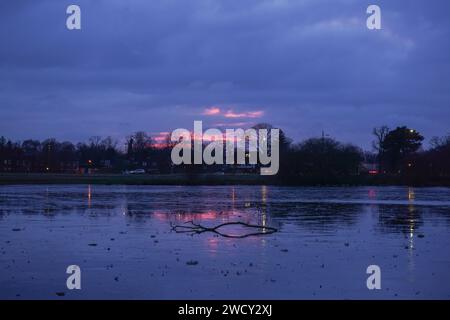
pixel 205 179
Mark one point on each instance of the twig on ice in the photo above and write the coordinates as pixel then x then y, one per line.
pixel 196 228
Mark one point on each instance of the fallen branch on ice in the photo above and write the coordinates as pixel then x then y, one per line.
pixel 195 228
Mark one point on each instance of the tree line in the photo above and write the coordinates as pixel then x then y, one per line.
pixel 397 154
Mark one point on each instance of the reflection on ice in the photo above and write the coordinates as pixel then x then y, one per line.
pixel 398 209
pixel 326 239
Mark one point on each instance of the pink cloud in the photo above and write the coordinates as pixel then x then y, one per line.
pixel 212 111
pixel 160 139
pixel 160 136
pixel 216 111
pixel 249 114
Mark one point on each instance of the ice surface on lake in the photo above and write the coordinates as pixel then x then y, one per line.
pixel 121 238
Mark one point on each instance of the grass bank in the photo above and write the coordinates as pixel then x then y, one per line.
pixel 145 179
pixel 213 179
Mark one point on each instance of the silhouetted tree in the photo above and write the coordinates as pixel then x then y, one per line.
pixel 380 134
pixel 437 160
pixel 326 159
pixel 284 144
pixel 398 145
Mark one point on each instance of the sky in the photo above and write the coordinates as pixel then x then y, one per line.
pixel 157 65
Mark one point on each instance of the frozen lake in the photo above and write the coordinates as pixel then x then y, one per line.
pixel 121 238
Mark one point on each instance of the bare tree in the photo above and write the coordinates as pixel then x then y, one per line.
pixel 95 140
pixel 109 143
pixel 380 134
pixel 438 142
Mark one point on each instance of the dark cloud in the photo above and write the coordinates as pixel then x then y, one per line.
pixel 156 65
